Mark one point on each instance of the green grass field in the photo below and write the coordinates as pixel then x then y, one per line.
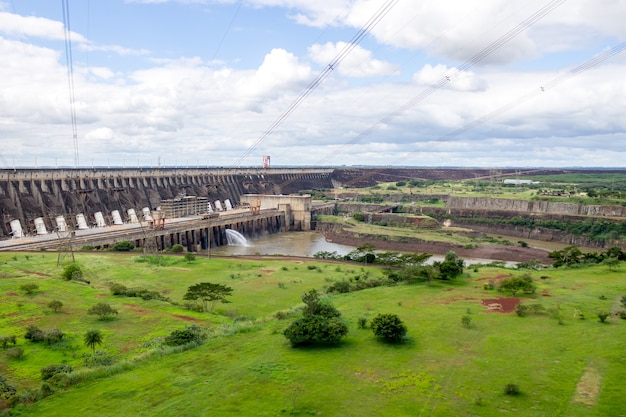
pixel 568 367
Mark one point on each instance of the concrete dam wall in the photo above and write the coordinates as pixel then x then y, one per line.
pixel 34 198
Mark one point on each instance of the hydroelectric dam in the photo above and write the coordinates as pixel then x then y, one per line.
pixel 100 205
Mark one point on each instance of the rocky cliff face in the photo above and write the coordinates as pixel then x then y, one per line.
pixel 503 204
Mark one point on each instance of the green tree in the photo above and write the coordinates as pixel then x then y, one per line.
pixel 450 268
pixel 103 310
pixel 515 284
pixel 209 294
pixel 388 327
pixel 92 339
pixel 55 305
pixel 321 323
pixel 29 289
pixel 612 263
pixel 72 271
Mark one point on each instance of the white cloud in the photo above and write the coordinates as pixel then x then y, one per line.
pixel 358 63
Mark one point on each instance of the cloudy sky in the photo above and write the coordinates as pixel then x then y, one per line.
pixel 483 83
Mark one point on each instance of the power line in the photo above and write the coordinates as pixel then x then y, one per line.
pixel 70 76
pixel 475 59
pixel 522 99
pixel 345 51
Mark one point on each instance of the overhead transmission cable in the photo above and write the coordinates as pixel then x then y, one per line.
pixel 598 59
pixel 70 76
pixel 475 59
pixel 345 51
pixel 424 94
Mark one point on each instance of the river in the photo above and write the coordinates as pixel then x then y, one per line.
pixel 304 244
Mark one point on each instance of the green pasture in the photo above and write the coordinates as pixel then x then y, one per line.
pixel 564 366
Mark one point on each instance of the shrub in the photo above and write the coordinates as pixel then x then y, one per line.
pixel 55 305
pixel 123 246
pixel 51 370
pixel 118 289
pixel 7 390
pixel 29 289
pixel 14 352
pixel 190 257
pixel 511 389
pixel 177 248
pixel 34 334
pixel 466 321
pixel 188 335
pixel 53 336
pixel 603 315
pixel 388 327
pixel 72 272
pixel 5 340
pixel 99 358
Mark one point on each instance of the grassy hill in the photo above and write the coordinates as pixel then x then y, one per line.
pixel 563 365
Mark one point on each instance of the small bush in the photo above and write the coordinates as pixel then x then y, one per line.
pixel 100 358
pixel 51 370
pixel 14 352
pixel 72 272
pixel 362 323
pixel 177 248
pixel 53 336
pixel 29 289
pixel 123 246
pixel 118 289
pixel 511 389
pixel 34 334
pixel 183 337
pixel 5 340
pixel 190 257
pixel 388 327
pixel 466 321
pixel 603 315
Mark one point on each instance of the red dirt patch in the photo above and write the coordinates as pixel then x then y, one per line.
pixel 41 274
pixel 186 318
pixel 135 309
pixel 501 305
pixel 101 295
pixel 12 294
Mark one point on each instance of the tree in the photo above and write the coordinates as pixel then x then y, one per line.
pixel 72 271
pixel 103 310
pixel 209 294
pixel 514 284
pixel 55 305
pixel 93 338
pixel 451 267
pixel 321 323
pixel 611 262
pixel 29 289
pixel 388 327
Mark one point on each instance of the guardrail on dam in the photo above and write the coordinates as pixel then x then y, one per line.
pixel 36 201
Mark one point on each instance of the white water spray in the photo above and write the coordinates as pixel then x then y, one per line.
pixel 235 238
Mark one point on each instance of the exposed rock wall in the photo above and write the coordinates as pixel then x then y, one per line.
pixel 503 204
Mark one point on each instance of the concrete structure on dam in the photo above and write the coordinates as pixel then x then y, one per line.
pixel 40 201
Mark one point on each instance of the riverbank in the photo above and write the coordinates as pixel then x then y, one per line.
pixel 485 251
